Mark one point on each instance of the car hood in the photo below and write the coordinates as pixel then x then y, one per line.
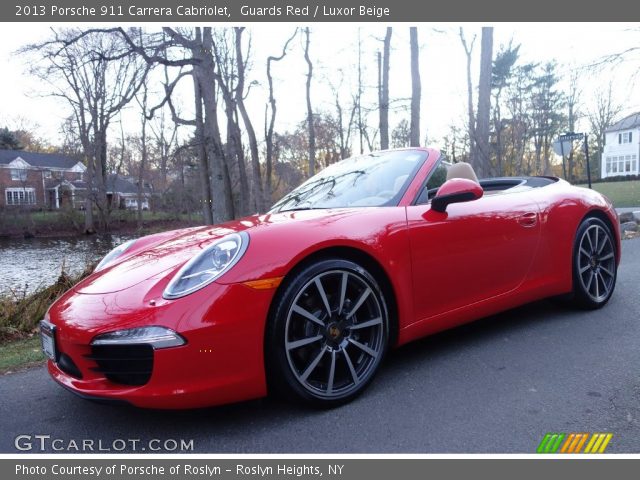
pixel 164 257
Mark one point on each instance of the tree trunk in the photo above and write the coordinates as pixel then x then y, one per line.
pixel 272 120
pixel 359 96
pixel 416 89
pixel 143 156
pixel 384 92
pixel 100 157
pixel 481 161
pixel 235 150
pixel 468 50
pixel 222 205
pixel 89 227
pixel 310 126
pixel 202 155
pixel 258 191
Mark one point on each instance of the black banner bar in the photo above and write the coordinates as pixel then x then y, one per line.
pixel 243 11
pixel 300 468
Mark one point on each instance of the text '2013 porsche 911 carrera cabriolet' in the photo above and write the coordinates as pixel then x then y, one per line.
pixel 305 300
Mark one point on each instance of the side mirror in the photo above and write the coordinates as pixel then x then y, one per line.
pixel 455 190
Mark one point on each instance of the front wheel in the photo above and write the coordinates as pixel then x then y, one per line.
pixel 594 264
pixel 328 333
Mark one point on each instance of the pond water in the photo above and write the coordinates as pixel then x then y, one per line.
pixel 27 264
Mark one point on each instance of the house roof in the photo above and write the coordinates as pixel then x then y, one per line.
pixel 51 160
pixel 631 121
pixel 118 183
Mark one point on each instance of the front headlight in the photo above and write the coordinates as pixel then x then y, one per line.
pixel 157 337
pixel 208 265
pixel 113 254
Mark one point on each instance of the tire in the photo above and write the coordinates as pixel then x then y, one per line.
pixel 327 334
pixel 594 264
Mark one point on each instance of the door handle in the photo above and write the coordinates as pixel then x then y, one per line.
pixel 528 219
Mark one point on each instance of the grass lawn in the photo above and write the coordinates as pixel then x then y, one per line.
pixel 20 353
pixel 622 194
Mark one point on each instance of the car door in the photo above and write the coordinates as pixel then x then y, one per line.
pixel 476 250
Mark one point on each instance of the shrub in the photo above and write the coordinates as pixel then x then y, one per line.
pixel 20 312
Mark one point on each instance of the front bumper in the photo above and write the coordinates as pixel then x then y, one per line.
pixel 222 361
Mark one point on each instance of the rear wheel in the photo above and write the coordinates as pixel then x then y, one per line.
pixel 328 334
pixel 594 264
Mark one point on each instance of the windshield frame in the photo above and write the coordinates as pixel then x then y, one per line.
pixel 392 202
pixel 442 158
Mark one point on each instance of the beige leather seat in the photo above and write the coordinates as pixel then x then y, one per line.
pixel 462 170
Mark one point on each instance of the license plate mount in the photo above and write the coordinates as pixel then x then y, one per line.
pixel 48 339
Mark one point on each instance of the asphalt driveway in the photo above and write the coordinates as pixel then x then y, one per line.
pixel 494 386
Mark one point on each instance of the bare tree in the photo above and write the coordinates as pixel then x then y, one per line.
pixel 144 151
pixel 416 87
pixel 165 135
pixel 344 126
pixel 383 76
pixel 194 48
pixel 482 154
pixel 601 117
pixel 258 192
pixel 358 96
pixel 573 114
pixel 90 72
pixel 310 126
pixel 228 82
pixel 200 141
pixel 468 50
pixel 272 119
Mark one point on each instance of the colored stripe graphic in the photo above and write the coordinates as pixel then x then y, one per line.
pixel 598 443
pixel 551 442
pixel 573 443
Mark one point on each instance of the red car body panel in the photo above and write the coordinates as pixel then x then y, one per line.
pixel 444 269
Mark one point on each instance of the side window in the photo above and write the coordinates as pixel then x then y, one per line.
pixel 437 178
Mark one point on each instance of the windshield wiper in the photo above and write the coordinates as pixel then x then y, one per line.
pixel 297 209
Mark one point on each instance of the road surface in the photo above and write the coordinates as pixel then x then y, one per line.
pixel 494 386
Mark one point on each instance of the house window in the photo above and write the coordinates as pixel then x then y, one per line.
pixel 47 174
pixel 18 174
pixel 634 164
pixel 625 137
pixel 20 196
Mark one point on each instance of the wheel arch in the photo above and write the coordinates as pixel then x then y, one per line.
pixel 602 215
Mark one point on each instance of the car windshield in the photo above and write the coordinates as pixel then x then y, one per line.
pixel 372 180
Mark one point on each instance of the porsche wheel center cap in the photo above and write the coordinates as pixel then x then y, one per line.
pixel 334 331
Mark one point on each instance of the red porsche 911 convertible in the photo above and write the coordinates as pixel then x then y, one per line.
pixel 371 253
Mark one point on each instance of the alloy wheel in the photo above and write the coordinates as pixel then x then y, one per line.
pixel 335 333
pixel 596 263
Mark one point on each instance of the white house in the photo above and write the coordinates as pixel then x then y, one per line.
pixel 622 148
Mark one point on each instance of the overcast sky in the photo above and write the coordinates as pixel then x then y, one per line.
pixel 334 52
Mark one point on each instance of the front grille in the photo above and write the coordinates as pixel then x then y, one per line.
pixel 125 364
pixel 68 366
